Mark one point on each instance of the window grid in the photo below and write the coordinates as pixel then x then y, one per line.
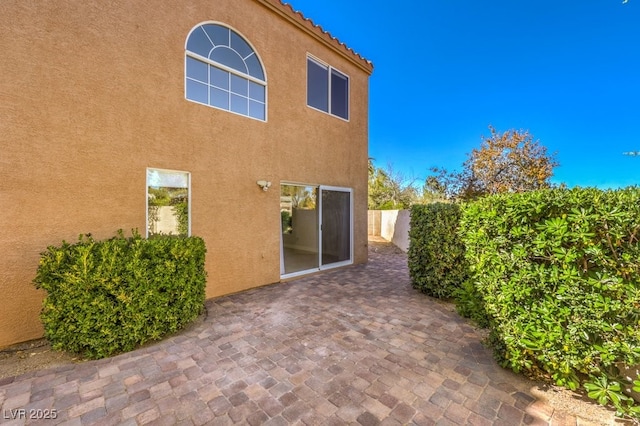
pixel 243 92
pixel 253 106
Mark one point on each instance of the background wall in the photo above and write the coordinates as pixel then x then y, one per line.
pixel 392 225
pixel 304 235
pixel 373 222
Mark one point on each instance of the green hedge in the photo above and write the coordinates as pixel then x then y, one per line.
pixel 105 297
pixel 558 273
pixel 436 254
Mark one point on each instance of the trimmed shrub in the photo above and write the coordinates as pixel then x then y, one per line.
pixel 469 304
pixel 105 297
pixel 436 254
pixel 558 272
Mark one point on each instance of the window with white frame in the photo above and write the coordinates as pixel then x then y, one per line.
pixel 224 71
pixel 168 202
pixel 327 89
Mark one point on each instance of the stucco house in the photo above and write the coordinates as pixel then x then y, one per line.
pixel 239 121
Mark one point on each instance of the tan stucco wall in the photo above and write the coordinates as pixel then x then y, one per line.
pixel 92 93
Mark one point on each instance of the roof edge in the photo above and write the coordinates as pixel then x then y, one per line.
pixel 287 12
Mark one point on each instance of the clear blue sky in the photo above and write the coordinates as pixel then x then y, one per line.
pixel 567 71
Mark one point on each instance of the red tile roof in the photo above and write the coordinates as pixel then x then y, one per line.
pixel 297 18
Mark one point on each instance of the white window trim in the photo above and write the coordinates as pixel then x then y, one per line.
pixel 329 69
pixel 226 68
pixel 146 199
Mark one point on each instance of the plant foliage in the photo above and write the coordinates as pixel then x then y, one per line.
pixel 105 297
pixel 389 190
pixel 436 254
pixel 505 162
pixel 558 274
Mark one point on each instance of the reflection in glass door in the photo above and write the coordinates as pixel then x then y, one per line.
pixel 316 225
pixel 336 225
pixel 299 218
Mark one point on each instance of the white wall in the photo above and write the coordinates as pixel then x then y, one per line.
pixel 304 235
pixel 373 222
pixel 388 219
pixel 392 225
pixel 167 222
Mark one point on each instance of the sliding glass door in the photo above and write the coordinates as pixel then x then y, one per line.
pixel 316 228
pixel 336 226
pixel 300 224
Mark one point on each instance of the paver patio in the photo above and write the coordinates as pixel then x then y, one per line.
pixel 350 346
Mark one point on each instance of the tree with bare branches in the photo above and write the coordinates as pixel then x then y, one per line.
pixel 389 189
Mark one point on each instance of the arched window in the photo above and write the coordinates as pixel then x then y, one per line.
pixel 223 71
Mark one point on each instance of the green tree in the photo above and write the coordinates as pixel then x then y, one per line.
pixel 434 191
pixel 505 162
pixel 390 190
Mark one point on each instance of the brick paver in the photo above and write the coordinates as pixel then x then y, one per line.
pixel 355 345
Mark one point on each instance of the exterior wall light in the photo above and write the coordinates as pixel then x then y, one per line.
pixel 264 184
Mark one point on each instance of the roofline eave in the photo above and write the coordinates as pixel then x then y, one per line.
pixel 296 18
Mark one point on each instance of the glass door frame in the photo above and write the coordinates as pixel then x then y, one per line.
pixel 320 237
pixel 321 267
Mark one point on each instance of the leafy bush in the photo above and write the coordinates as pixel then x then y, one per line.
pixel 105 297
pixel 436 254
pixel 558 273
pixel 469 304
pixel 287 222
